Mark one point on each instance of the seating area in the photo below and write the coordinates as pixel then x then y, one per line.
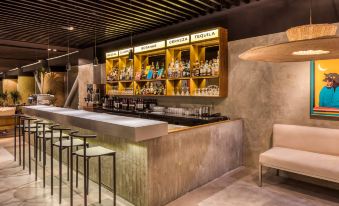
pixel 309 151
pixel 35 133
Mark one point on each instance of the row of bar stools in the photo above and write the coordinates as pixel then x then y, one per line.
pixel 88 153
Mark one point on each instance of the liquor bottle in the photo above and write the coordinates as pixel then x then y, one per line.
pixel 162 68
pixel 197 69
pixel 155 72
pixel 176 69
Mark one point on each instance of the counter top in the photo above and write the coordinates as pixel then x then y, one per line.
pixel 129 127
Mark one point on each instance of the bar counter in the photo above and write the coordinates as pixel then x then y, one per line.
pixel 156 162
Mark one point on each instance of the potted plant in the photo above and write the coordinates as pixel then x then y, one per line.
pixel 15 96
pixel 3 98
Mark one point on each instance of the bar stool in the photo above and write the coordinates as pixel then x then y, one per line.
pixel 30 128
pixel 18 128
pixel 44 133
pixel 88 153
pixel 16 123
pixel 62 144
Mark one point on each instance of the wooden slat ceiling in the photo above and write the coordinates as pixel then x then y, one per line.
pixel 36 21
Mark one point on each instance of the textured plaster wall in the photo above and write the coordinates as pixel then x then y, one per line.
pixel 25 87
pixel 54 82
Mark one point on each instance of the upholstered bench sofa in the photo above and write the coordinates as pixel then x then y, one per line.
pixel 309 151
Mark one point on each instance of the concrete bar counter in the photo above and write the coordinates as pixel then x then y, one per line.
pixel 156 162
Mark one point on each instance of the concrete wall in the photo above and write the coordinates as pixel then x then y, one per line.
pixel 262 94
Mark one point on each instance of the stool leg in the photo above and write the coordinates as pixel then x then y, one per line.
pixel 40 150
pixel 52 166
pixel 68 164
pixel 77 168
pixel 114 182
pixel 35 155
pixel 87 176
pixel 20 142
pixel 29 150
pixel 15 127
pixel 23 150
pixel 44 158
pixel 60 172
pixel 99 179
pixel 85 180
pixel 71 186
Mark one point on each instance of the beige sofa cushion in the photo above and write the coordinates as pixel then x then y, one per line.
pixel 307 163
pixel 312 139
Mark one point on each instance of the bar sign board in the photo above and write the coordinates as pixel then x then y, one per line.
pixel 178 41
pixel 112 54
pixel 124 52
pixel 211 34
pixel 148 47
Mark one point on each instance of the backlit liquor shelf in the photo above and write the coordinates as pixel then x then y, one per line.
pixel 149 109
pixel 193 65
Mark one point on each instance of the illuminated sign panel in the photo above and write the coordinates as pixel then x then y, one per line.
pixel 124 52
pixel 211 34
pixel 112 54
pixel 148 47
pixel 178 41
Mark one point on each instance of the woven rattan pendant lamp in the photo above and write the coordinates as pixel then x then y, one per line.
pixel 305 43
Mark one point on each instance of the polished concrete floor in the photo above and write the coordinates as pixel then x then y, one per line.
pixel 19 188
pixel 237 188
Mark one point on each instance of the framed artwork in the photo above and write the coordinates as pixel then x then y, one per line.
pixel 325 88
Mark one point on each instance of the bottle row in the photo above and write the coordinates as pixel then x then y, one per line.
pixel 176 69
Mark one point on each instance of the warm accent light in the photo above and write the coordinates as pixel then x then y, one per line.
pixel 310 52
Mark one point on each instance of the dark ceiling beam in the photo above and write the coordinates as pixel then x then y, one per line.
pixel 126 11
pixel 201 9
pixel 169 9
pixel 151 6
pixel 131 7
pixel 179 6
pixel 64 15
pixel 205 4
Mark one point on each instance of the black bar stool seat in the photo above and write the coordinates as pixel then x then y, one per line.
pixel 95 151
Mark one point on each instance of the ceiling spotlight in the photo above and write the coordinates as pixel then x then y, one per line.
pixel 55 50
pixel 49 49
pixel 69 28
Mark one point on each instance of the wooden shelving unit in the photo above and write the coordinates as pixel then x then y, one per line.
pixel 206 49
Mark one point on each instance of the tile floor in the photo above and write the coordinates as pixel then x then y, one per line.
pixel 237 188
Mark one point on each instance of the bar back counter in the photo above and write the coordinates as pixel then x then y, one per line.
pixel 156 162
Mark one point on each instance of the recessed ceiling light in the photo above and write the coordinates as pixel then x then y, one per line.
pixel 49 49
pixel 54 50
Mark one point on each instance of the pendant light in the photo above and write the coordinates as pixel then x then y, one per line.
pixel 95 61
pixel 48 69
pixel 130 54
pixel 305 43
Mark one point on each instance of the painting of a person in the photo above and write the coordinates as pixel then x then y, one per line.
pixel 327 93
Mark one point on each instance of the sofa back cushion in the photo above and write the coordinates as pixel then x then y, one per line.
pixel 311 139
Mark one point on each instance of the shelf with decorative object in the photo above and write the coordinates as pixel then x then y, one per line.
pixel 192 65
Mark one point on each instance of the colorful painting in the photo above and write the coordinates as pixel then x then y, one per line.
pixel 325 88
